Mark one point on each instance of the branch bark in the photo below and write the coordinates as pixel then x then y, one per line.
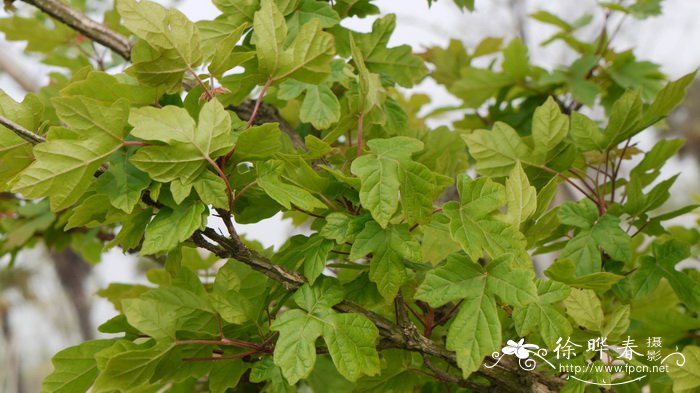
pixel 506 376
pixel 88 27
pixel 15 71
pixel 21 131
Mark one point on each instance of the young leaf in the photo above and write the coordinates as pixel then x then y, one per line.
pixel 75 368
pixel 475 225
pixel 521 197
pixel 388 247
pixel 388 171
pixel 584 307
pixel 398 63
pixel 542 316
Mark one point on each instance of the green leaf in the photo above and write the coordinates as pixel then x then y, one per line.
pixel 309 10
pixel 625 119
pixel 306 59
pixel 596 232
pixel 15 152
pixel 686 378
pixel 514 286
pixel 584 307
pixel 259 142
pixel 211 190
pixel 650 167
pixel 398 63
pixel 437 242
pixel 586 134
pixel 343 228
pixel 131 369
pixel 109 89
pixel 226 374
pixel 477 227
pixel 458 278
pixel 225 56
pixel 665 257
pixel 581 214
pixel 564 270
pixel 295 350
pixel 122 184
pixel 667 99
pixel 64 168
pixel 476 85
pixel 521 197
pixel 542 316
pixel 388 171
pixel 371 92
pixel 315 257
pixel 515 60
pixel 75 368
pixel 617 323
pixel 351 340
pixel 36 34
pixel 165 29
pixel 468 4
pixel 171 227
pixel 158 69
pixel 238 10
pixel 549 127
pixel 270 34
pixel 475 332
pixel 320 107
pixel 269 179
pixel 239 293
pixel 189 148
pixel 497 151
pixel 388 247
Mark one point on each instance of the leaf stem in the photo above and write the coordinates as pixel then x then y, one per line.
pixel 571 182
pixel 236 356
pixel 258 103
pixel 207 92
pixel 360 132
pixel 223 177
pixel 243 190
pixel 134 143
pixel 616 170
pixel 224 341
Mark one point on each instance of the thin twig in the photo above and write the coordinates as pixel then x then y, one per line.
pixel 360 132
pixel 258 102
pixel 21 131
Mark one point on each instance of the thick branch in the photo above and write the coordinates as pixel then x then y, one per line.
pixel 21 131
pixel 506 375
pixel 90 28
pixel 15 71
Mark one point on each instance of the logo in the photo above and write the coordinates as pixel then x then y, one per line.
pixel 624 358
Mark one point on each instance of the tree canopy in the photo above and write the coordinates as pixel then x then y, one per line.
pixel 431 251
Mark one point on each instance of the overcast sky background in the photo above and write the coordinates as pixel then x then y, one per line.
pixel 670 40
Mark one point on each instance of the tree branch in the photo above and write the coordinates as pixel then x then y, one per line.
pixel 506 375
pixel 21 131
pixel 90 28
pixel 15 71
pixel 121 45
